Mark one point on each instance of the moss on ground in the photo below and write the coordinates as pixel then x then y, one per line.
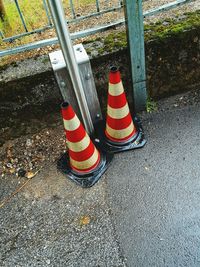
pixel 162 29
pixel 173 27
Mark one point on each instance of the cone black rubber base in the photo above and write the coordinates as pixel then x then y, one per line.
pixel 137 141
pixel 87 179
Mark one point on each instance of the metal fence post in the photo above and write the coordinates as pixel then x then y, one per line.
pixel 135 36
pixel 61 27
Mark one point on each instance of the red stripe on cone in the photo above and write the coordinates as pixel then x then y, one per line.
pixel 76 135
pixel 84 155
pixel 119 124
pixel 83 158
pixel 116 101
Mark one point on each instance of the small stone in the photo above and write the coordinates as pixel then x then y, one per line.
pixel 29 142
pixel 30 165
pixel 48 261
pixel 165 23
pixel 21 172
pixel 9 165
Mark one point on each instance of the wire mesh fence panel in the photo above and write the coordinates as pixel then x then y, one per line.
pixel 26 21
pixel 24 17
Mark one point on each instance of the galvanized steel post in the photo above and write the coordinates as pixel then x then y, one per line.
pixel 60 23
pixel 135 36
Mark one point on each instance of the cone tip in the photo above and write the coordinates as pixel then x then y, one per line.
pixel 114 69
pixel 64 105
pixel 114 75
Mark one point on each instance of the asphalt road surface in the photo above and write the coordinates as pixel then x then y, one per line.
pixel 155 192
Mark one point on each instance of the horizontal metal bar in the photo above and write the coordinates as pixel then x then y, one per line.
pixel 113 9
pixel 52 41
pixel 165 7
pixel 11 39
pixel 27 47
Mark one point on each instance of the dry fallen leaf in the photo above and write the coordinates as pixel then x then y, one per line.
pixel 9 153
pixel 85 220
pixel 12 170
pixel 30 175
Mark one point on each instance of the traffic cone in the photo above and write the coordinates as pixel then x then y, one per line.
pixel 122 132
pixel 84 163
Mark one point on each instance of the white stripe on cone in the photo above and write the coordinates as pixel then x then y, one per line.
pixel 118 113
pixel 86 164
pixel 71 125
pixel 115 89
pixel 120 134
pixel 79 146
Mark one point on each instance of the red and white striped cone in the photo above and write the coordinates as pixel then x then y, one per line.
pixel 119 123
pixel 84 164
pixel 122 132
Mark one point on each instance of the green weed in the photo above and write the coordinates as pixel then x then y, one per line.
pixel 151 105
pixel 33 13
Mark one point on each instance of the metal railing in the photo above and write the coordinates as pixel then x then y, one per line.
pixel 74 17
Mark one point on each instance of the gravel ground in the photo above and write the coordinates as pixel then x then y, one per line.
pixel 23 156
pixel 30 153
